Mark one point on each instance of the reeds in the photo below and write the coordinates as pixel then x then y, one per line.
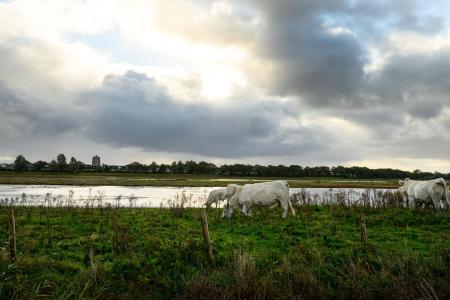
pixel 373 198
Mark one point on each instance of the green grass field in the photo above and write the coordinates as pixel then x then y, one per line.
pixel 188 180
pixel 123 253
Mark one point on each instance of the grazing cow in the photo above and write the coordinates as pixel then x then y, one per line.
pixel 260 194
pixel 426 192
pixel 215 196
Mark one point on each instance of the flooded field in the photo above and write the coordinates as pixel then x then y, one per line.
pixel 125 196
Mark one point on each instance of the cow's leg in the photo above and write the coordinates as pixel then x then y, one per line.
pixel 230 212
pixel 249 211
pixel 246 209
pixel 225 212
pixel 445 204
pixel 437 205
pixel 284 207
pixel 412 203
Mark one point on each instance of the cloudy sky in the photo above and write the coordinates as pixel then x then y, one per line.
pixel 271 82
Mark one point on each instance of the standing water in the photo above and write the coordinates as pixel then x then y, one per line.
pixel 126 196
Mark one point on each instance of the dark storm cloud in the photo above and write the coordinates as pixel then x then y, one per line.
pixel 320 63
pixel 133 110
pixel 319 49
pixel 410 88
pixel 417 85
pixel 136 110
pixel 424 72
pixel 28 115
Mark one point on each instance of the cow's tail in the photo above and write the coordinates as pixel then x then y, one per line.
pixel 208 201
pixel 446 193
pixel 289 199
pixel 290 207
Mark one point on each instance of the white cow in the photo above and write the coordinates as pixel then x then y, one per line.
pixel 426 192
pixel 260 194
pixel 216 196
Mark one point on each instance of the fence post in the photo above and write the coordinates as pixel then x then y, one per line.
pixel 362 229
pixel 12 238
pixel 205 231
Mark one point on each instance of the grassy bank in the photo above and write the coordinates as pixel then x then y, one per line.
pixel 188 180
pixel 150 253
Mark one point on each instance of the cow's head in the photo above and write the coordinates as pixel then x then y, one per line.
pixel 293 198
pixel 225 210
pixel 231 189
pixel 403 182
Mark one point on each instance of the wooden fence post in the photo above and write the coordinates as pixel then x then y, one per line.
pixel 362 229
pixel 12 237
pixel 206 234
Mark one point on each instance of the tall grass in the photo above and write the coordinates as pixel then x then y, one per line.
pixel 349 197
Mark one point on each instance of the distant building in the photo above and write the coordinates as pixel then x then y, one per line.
pixel 96 162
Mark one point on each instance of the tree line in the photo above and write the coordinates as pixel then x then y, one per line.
pixel 60 164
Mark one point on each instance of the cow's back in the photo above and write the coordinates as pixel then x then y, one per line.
pixel 217 194
pixel 264 192
pixel 424 190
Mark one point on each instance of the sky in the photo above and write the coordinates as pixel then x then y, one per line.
pixel 306 82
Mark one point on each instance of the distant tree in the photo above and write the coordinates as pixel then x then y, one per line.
pixel 163 169
pixel 61 161
pixel 340 171
pixel 177 167
pixel 75 165
pixel 53 165
pixel 174 168
pixel 224 170
pixel 206 168
pixel 438 174
pixel 136 167
pixel 180 167
pixel 190 167
pixel 21 164
pixel 257 170
pixel 39 165
pixel 323 171
pixel 295 171
pixel 153 167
